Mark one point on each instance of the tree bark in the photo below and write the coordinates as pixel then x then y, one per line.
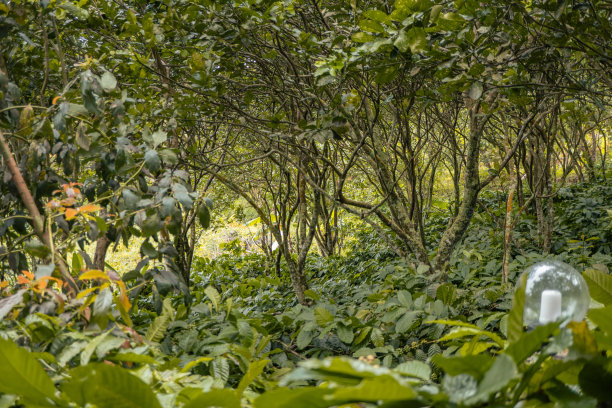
pixel 38 221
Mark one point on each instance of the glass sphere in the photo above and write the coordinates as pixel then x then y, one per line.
pixel 554 291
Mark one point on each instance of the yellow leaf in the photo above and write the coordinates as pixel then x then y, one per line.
pixel 93 274
pixel 89 208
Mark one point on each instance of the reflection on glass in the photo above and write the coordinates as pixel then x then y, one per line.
pixel 554 292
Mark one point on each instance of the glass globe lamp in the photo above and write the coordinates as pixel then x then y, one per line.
pixel 554 291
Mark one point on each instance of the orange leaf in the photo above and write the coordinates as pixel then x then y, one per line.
pixel 89 208
pixel 28 274
pixel 22 281
pixel 54 101
pixel 123 297
pixel 3 284
pixel 41 284
pixel 70 213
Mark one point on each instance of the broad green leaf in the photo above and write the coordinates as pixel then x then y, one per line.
pixel 133 358
pixel 530 342
pixel 497 377
pixel 254 370
pixel 158 137
pixel 213 295
pixel 304 338
pixel 323 316
pixel 108 81
pixel 36 248
pixel 22 374
pixel 460 332
pixel 195 362
pixel 203 216
pixel 219 368
pixel 377 15
pixel 515 317
pixel 406 321
pixel 417 369
pixel 152 161
pixel 377 337
pixel 224 398
pixel 474 365
pixel 595 379
pixel 362 37
pixel 602 318
pixel 91 347
pixel 475 90
pixel 383 388
pixel 157 329
pixel 405 298
pixel 305 397
pixel 414 39
pixel 345 333
pixel 371 26
pixel 107 386
pixel 600 285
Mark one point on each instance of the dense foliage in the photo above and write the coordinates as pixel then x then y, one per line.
pixel 403 162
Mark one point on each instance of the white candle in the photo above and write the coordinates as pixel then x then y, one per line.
pixel 550 308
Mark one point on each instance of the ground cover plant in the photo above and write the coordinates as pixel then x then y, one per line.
pixel 376 175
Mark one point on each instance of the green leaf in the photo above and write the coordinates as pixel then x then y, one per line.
pixel 531 342
pixel 362 37
pixel 151 225
pixel 345 333
pixel 152 161
pixel 107 386
pixel 214 296
pixel 130 199
pixel 203 216
pixel 158 138
pixel 515 317
pixel 377 15
pixel 82 140
pixel 596 379
pixel 414 39
pixel 474 365
pixel 36 248
pixel 168 156
pixel 371 26
pixel 108 81
pixel 323 316
pixel 416 369
pixel 497 377
pixel 406 321
pixel 405 298
pixel 157 329
pixel 602 318
pixel 254 370
pixel 91 347
pixel 219 368
pixel 22 374
pixel 600 285
pixel 224 398
pixel 305 397
pixel 377 337
pixel 457 333
pixel 383 388
pixel 304 337
pixel 475 91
